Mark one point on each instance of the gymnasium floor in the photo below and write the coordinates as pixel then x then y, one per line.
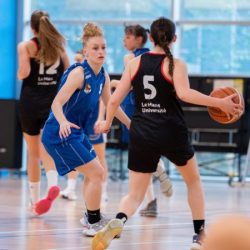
pixel 60 228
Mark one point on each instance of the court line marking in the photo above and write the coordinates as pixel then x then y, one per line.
pixel 151 226
pixel 127 244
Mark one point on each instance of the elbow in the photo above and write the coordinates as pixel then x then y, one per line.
pixel 113 103
pixel 181 96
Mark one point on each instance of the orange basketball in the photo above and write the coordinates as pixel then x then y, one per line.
pixel 217 114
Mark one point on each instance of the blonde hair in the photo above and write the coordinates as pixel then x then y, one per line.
pixel 51 41
pixel 91 30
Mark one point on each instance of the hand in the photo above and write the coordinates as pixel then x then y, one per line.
pixel 102 127
pixel 229 107
pixel 65 129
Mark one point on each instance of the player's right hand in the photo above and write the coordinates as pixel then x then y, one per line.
pixel 65 129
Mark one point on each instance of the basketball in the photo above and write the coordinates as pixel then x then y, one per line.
pixel 217 114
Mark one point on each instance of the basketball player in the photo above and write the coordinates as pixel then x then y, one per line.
pixel 134 40
pixel 99 143
pixel 158 128
pixel 42 61
pixel 64 137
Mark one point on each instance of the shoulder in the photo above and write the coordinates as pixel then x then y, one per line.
pixel 29 47
pixel 22 46
pixel 178 63
pixel 135 61
pixel 128 58
pixel 106 74
pixel 77 72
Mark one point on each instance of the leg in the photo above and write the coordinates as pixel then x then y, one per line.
pixel 191 176
pixel 69 192
pixel 100 150
pixel 138 185
pixel 93 172
pixel 151 208
pixel 33 144
pixel 33 167
pixel 165 183
pixel 49 166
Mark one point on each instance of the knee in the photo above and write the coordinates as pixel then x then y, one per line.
pixel 98 175
pixel 193 180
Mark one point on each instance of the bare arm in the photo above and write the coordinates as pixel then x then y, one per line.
pixel 23 61
pixel 101 113
pixel 73 82
pixel 186 94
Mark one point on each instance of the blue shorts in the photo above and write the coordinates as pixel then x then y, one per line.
pixel 94 138
pixel 70 154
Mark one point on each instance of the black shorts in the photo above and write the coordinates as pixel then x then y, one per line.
pixel 32 125
pixel 143 157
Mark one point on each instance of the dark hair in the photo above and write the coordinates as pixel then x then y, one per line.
pixel 137 31
pixel 162 32
pixel 51 41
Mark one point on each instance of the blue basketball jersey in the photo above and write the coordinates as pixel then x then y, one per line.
pixel 129 99
pixel 140 51
pixel 128 105
pixel 81 104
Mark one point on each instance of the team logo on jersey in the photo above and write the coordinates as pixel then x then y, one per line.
pixel 87 88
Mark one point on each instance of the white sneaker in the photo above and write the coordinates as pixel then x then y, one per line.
pixel 32 209
pixel 91 230
pixel 196 245
pixel 68 194
pixel 165 183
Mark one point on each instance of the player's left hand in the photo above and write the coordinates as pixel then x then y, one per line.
pixel 102 127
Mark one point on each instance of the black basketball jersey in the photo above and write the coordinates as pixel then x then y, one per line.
pixel 158 117
pixel 40 87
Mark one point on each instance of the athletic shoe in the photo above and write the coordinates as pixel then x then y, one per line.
pixel 90 230
pixel 165 183
pixel 196 245
pixel 150 210
pixel 104 237
pixel 32 209
pixel 44 205
pixel 68 194
pixel 87 231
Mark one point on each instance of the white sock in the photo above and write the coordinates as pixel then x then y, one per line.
pixel 71 184
pixel 52 178
pixel 150 196
pixel 34 188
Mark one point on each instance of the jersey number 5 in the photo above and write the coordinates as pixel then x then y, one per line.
pixel 52 70
pixel 150 87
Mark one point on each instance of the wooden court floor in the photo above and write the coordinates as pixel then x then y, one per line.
pixel 60 228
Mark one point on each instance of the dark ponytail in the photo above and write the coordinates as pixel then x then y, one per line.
pixel 162 32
